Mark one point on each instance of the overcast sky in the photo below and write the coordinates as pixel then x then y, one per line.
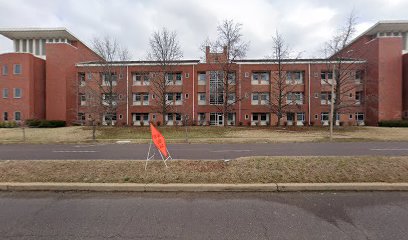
pixel 305 24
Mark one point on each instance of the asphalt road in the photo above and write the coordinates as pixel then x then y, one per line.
pixel 199 151
pixel 346 215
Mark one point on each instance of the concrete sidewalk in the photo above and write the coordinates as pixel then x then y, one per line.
pixel 176 187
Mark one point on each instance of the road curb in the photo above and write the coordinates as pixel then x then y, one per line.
pixel 294 187
pixel 136 187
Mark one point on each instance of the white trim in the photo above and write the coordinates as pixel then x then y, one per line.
pixel 131 64
pixel 194 93
pixel 309 105
pixel 127 96
pixel 301 62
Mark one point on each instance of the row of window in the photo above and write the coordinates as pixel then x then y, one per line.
pixel 16 69
pixel 17 92
pixel 258 78
pixel 17 116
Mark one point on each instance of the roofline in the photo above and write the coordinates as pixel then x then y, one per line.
pixel 296 61
pixel 136 63
pixel 369 29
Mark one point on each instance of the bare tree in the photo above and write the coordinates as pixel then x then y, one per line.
pixel 345 69
pixel 282 98
pixel 165 51
pixel 102 83
pixel 228 47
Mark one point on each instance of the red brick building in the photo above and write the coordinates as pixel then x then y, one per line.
pixel 47 75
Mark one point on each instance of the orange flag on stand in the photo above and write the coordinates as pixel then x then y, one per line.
pixel 159 141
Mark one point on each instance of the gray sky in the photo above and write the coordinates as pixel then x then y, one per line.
pixel 305 24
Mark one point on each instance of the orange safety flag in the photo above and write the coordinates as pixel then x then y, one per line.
pixel 159 140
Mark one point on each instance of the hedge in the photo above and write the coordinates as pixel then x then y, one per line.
pixel 8 125
pixel 45 123
pixel 393 123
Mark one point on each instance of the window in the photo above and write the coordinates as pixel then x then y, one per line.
pixel 264 98
pixel 360 116
pixel 294 98
pixel 324 116
pixel 231 78
pixel 186 95
pixel 325 98
pixel 145 99
pixel 17 68
pixel 187 75
pixel 359 76
pixel 290 116
pixel 351 116
pixel 300 117
pixel 169 97
pixel 109 79
pixel 5 116
pixel 326 77
pixel 17 116
pixel 140 119
pixel 5 93
pixel 81 78
pixel 294 77
pixel 4 70
pixel 231 119
pixel 201 78
pixel 359 97
pixel 260 78
pixel 178 117
pixel 17 92
pixel 216 88
pixel 246 116
pixel 81 116
pixel 201 118
pixel 179 98
pixel 201 98
pixel 109 98
pixel 231 98
pixel 179 77
pixel 109 117
pixel 174 78
pixel 89 76
pixel 316 116
pixel 82 99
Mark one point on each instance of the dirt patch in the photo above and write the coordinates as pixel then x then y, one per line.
pixel 243 170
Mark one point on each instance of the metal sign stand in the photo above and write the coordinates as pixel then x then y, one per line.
pixel 150 157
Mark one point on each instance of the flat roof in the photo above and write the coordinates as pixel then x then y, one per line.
pixel 37 33
pixel 134 63
pixel 387 26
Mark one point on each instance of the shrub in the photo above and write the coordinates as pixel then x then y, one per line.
pixel 158 123
pixel 240 123
pixel 8 124
pixel 45 123
pixel 393 123
pixel 33 122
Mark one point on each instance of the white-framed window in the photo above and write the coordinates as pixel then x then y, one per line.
pixel 140 119
pixel 109 98
pixel 202 77
pixel 179 99
pixel 109 118
pixel 255 99
pixel 4 69
pixel 260 78
pixel 231 98
pixel 294 98
pixel 174 78
pixel 231 78
pixel 141 99
pixel 359 76
pixel 264 98
pixel 81 117
pixel 17 92
pixel 294 77
pixel 201 99
pixel 17 116
pixel 5 93
pixel 81 79
pixel 359 97
pixel 326 77
pixel 300 116
pixel 17 69
pixel 187 75
pixel 324 116
pixel 201 118
pixel 170 97
pixel 231 118
pixel 325 98
pixel 82 99
pixel 290 118
pixel 359 116
pixel 109 79
pixel 260 119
